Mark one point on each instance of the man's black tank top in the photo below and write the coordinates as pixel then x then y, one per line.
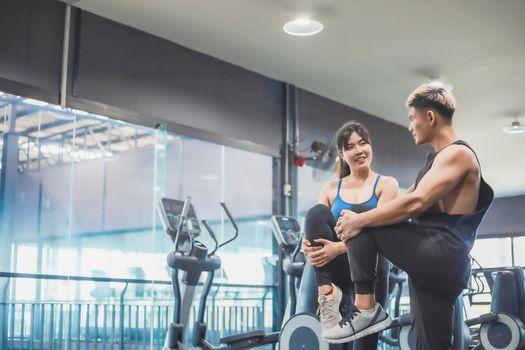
pixel 462 226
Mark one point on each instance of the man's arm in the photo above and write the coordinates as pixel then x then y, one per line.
pixel 448 169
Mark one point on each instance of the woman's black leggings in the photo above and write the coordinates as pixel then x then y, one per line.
pixel 320 224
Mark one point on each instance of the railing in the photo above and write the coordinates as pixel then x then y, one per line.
pixel 138 324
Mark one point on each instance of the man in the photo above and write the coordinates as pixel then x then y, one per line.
pixel 428 232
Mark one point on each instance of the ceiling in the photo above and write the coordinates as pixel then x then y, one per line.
pixel 370 55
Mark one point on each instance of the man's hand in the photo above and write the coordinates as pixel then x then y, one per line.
pixel 319 256
pixel 347 226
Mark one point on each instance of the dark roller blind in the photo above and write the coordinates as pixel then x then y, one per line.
pixel 31 40
pixel 129 69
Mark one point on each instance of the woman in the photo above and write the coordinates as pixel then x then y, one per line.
pixel 358 188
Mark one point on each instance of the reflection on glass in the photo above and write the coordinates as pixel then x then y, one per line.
pixel 84 196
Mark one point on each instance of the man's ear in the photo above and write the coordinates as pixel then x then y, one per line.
pixel 432 118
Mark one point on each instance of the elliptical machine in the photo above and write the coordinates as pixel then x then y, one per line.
pixel 302 329
pixel 503 327
pixel 192 258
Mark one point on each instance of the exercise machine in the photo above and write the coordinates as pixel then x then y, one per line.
pixel 503 328
pixel 193 259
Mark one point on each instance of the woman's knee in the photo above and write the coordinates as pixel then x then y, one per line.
pixel 318 212
pixel 319 222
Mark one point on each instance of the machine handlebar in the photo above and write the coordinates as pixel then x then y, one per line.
pixel 214 236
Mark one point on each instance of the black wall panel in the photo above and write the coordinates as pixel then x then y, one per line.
pixel 506 216
pixel 31 41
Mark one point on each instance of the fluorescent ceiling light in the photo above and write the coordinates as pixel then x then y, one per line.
pixel 35 102
pixel 51 149
pixel 208 177
pixel 514 128
pixel 303 27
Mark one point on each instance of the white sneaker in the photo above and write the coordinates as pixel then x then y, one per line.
pixel 329 308
pixel 358 324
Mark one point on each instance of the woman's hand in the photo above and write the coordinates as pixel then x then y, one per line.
pixel 319 256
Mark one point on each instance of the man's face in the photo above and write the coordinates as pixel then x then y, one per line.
pixel 419 125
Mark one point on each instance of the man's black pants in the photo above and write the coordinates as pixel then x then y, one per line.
pixel 436 261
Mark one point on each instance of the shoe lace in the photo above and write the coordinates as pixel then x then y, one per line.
pixel 349 316
pixel 326 307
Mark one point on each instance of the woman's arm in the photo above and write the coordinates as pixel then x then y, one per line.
pixel 388 190
pixel 324 196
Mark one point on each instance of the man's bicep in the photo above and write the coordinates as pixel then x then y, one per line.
pixel 445 174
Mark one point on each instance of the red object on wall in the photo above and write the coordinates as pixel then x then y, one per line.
pixel 299 160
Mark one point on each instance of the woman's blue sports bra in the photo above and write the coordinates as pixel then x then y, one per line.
pixel 339 204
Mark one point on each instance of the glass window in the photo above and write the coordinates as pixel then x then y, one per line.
pixel 492 252
pixel 83 182
pixel 84 204
pixel 310 181
pixel 4 113
pixel 519 251
pixel 86 192
pixel 211 174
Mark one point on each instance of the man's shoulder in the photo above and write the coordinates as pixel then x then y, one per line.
pixel 456 151
pixel 459 155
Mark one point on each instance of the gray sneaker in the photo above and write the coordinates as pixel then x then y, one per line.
pixel 356 325
pixel 329 308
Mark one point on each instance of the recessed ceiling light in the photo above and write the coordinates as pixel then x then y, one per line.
pixel 303 27
pixel 514 128
pixel 440 84
pixel 208 177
